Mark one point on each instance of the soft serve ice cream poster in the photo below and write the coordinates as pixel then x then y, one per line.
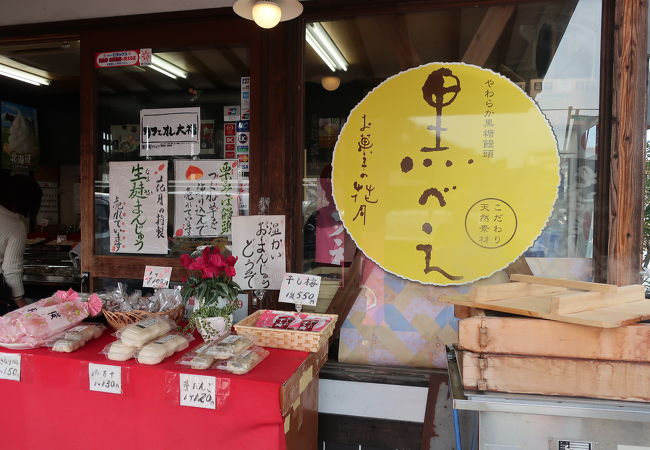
pixel 20 146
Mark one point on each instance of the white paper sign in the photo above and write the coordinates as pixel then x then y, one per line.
pixel 156 277
pixel 198 391
pixel 105 378
pixel 170 131
pixel 138 207
pixel 206 197
pixel 300 288
pixel 259 244
pixel 10 366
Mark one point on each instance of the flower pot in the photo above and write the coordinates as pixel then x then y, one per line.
pixel 213 328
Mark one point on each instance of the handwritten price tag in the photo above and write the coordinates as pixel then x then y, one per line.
pixel 156 277
pixel 198 391
pixel 300 288
pixel 10 366
pixel 105 378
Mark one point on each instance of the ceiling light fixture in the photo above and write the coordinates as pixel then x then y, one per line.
pixel 23 76
pixel 167 68
pixel 330 82
pixel 324 46
pixel 267 13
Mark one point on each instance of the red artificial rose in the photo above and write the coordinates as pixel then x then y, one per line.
pixel 217 260
pixel 230 271
pixel 209 272
pixel 231 260
pixel 186 260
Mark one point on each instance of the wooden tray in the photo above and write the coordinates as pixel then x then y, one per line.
pixel 306 341
pixel 581 302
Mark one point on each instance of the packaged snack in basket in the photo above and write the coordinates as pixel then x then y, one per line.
pixel 139 333
pixel 198 361
pixel 160 348
pixel 245 362
pixel 119 351
pixel 309 322
pixel 35 324
pixel 229 346
pixel 277 319
pixel 76 337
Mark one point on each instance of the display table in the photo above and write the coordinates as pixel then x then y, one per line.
pixel 272 407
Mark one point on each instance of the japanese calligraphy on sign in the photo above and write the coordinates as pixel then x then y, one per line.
pixel 170 131
pixel 206 197
pixel 199 391
pixel 10 366
pixel 138 207
pixel 105 378
pixel 435 178
pixel 259 244
pixel 300 288
pixel 156 276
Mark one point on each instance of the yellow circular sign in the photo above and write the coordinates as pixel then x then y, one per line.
pixel 445 173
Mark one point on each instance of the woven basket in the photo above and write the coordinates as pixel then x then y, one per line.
pixel 306 341
pixel 120 319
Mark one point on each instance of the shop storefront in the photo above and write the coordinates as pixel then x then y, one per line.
pixel 259 114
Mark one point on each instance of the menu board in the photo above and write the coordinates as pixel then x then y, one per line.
pixel 259 244
pixel 206 197
pixel 170 131
pixel 138 207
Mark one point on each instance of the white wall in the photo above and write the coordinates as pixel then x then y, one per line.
pixel 35 11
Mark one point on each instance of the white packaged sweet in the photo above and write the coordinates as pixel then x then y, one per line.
pixel 229 346
pixel 119 351
pixel 76 337
pixel 163 347
pixel 197 361
pixel 139 333
pixel 245 362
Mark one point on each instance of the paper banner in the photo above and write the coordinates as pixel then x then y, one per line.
pixel 206 197
pixel 19 136
pixel 170 131
pixel 138 207
pixel 259 243
pixel 445 173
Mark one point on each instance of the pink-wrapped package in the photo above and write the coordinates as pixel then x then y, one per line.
pixel 33 325
pixel 276 319
pixel 309 322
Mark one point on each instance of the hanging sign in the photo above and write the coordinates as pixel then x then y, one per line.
pixel 138 207
pixel 170 131
pixel 140 57
pixel 19 136
pixel 445 173
pixel 300 288
pixel 258 242
pixel 206 197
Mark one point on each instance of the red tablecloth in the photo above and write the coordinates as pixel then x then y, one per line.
pixel 52 407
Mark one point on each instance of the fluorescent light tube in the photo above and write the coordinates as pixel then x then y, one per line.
pixel 23 76
pixel 322 44
pixel 167 68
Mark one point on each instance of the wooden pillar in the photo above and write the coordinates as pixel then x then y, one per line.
pixel 628 130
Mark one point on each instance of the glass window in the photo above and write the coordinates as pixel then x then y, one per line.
pixel 550 49
pixel 205 190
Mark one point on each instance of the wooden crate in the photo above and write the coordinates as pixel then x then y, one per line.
pixel 535 337
pixel 593 304
pixel 615 380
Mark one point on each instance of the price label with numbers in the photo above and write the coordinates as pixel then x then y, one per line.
pixel 300 288
pixel 105 378
pixel 156 277
pixel 10 366
pixel 198 391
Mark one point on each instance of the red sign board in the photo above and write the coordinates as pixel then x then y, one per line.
pixel 140 57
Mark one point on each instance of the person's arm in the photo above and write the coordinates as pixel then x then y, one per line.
pixel 12 264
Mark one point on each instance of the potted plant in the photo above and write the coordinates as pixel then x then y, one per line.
pixel 210 282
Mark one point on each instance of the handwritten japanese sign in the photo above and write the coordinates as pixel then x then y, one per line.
pixel 300 288
pixel 199 391
pixel 206 197
pixel 10 366
pixel 105 378
pixel 170 131
pixel 156 277
pixel 435 179
pixel 259 243
pixel 138 207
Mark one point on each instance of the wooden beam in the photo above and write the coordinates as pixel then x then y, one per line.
pixel 629 103
pixel 479 49
pixel 570 284
pixel 360 48
pixel 235 61
pixel 198 66
pixel 395 26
